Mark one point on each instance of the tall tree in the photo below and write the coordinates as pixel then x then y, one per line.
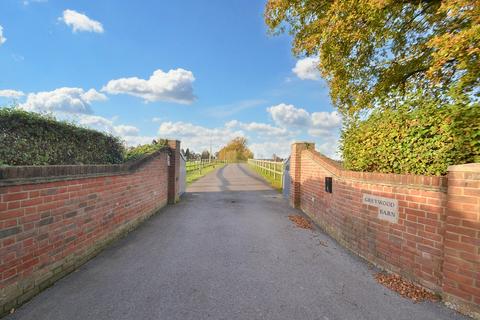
pixel 205 154
pixel 235 150
pixel 373 51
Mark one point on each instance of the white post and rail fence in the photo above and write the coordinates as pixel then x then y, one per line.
pixel 199 165
pixel 274 169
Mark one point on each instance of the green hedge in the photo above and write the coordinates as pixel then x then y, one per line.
pixel 417 140
pixel 145 149
pixel 28 138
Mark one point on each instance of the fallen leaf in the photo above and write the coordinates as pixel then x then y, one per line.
pixel 301 222
pixel 405 288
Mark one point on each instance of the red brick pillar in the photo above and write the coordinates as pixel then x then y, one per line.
pixel 296 170
pixel 461 265
pixel 173 171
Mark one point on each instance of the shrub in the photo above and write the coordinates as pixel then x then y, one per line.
pixel 142 150
pixel 423 139
pixel 28 138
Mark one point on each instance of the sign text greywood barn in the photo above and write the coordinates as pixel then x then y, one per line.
pixel 387 207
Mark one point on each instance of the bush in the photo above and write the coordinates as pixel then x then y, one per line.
pixel 28 138
pixel 140 151
pixel 423 139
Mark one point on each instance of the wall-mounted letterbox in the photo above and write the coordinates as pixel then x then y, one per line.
pixel 328 184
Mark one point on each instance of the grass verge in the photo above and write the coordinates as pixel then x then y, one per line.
pixel 275 183
pixel 197 174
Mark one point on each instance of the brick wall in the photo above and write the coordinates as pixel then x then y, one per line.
pixel 461 267
pixel 54 218
pixel 435 241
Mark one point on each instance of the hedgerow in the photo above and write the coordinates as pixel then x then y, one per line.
pixel 413 139
pixel 142 150
pixel 28 138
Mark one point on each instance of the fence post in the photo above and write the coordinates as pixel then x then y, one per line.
pixel 274 166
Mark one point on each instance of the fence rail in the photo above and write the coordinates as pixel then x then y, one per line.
pixel 198 165
pixel 269 167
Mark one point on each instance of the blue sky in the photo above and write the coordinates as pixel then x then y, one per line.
pixel 199 71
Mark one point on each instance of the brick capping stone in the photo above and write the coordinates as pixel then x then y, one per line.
pixel 468 167
pixel 434 239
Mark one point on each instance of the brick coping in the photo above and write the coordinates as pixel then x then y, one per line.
pixel 19 175
pixel 468 167
pixel 435 183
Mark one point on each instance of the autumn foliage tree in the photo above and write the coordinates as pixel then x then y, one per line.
pixel 235 150
pixel 372 52
pixel 405 74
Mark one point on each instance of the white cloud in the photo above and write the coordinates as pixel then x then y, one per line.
pixel 27 2
pixel 93 95
pixel 197 137
pixel 172 86
pixel 125 130
pixel 265 150
pixel 329 147
pixel 128 133
pixel 2 37
pixel 325 124
pixel 14 94
pixel 261 128
pixel 323 127
pixel 318 123
pixel 319 132
pixel 287 115
pixel 66 100
pixel 80 22
pixel 307 69
pixel 106 125
pixel 326 119
pixel 92 121
pixel 133 141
